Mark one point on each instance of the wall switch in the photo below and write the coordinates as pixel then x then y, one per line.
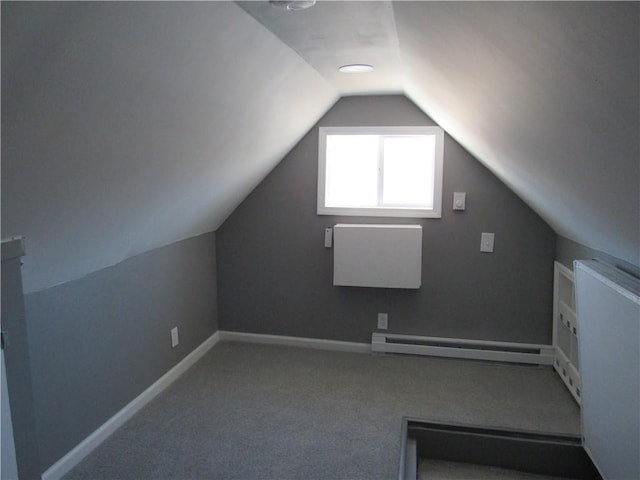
pixel 174 337
pixel 328 237
pixel 383 321
pixel 486 242
pixel 459 200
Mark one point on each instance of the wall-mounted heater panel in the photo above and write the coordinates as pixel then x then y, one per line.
pixel 385 256
pixel 608 310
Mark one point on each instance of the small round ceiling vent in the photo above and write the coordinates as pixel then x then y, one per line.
pixel 292 5
pixel 356 68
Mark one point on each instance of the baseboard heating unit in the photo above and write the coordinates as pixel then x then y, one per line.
pixel 462 348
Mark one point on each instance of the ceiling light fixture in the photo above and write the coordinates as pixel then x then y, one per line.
pixel 355 68
pixel 292 5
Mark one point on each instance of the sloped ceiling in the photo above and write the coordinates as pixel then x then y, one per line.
pixel 547 96
pixel 127 126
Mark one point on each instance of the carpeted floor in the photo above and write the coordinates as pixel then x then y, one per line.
pixel 266 412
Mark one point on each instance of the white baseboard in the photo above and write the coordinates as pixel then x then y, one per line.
pixel 71 459
pixel 316 343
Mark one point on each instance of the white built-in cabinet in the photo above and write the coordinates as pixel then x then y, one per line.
pixel 565 329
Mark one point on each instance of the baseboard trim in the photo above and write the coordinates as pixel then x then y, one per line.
pixel 463 348
pixel 71 459
pixel 303 342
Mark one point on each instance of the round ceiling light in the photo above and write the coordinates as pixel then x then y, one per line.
pixel 355 68
pixel 293 5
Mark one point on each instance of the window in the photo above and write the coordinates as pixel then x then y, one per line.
pixel 380 171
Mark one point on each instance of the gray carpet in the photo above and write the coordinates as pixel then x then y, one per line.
pixel 264 412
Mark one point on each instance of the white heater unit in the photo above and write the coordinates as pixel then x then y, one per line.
pixel 463 348
pixel 383 256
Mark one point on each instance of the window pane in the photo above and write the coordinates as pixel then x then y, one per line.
pixel 351 171
pixel 408 171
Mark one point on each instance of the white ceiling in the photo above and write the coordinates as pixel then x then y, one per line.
pixel 336 33
pixel 127 126
pixel 547 96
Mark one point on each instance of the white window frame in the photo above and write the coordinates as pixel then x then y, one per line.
pixel 382 211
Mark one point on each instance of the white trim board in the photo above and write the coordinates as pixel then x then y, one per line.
pixel 73 457
pixel 315 343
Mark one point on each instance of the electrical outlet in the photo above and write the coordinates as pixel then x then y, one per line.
pixel 383 321
pixel 174 337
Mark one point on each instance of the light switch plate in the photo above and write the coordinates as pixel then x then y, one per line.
pixel 459 200
pixel 486 242
pixel 328 237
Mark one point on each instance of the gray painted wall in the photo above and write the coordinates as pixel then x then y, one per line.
pixel 275 276
pixel 98 342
